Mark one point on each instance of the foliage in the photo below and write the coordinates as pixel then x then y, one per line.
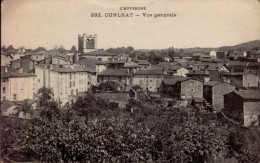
pixel 109 86
pixel 73 49
pixel 39 49
pixel 121 50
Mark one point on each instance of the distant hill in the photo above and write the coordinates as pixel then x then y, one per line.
pixel 244 46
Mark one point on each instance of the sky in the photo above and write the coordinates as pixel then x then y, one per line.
pixel 198 23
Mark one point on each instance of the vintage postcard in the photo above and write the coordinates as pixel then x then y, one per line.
pixel 130 81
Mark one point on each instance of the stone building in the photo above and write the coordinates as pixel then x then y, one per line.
pixel 65 80
pixel 243 106
pixel 17 85
pixel 181 87
pixel 240 80
pixel 148 80
pixel 213 92
pixel 87 43
pixel 120 76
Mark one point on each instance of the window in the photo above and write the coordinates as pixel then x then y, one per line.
pixel 4 90
pixel 39 80
pixel 72 92
pixel 15 97
pixel 70 84
pixel 74 83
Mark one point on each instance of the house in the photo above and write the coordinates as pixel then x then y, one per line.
pixel 215 69
pixel 144 64
pixel 65 80
pixel 24 62
pixel 148 80
pixel 213 53
pixel 243 106
pixel 253 67
pixel 182 87
pixel 121 76
pixel 198 66
pixel 96 64
pixel 179 71
pixel 235 55
pixel 13 108
pixel 236 66
pixel 116 64
pixel 17 85
pixel 200 75
pixel 213 92
pixel 240 80
pixel 221 54
pixel 6 59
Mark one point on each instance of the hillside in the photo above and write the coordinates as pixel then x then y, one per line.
pixel 244 46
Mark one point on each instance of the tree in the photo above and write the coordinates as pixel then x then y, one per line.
pixel 10 48
pixel 73 49
pixel 39 49
pixel 3 48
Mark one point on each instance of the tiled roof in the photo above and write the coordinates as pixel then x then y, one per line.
pixel 99 53
pixel 176 79
pixel 196 73
pixel 236 63
pixel 115 72
pixel 253 64
pixel 214 83
pixel 142 62
pixel 117 61
pixel 249 94
pixel 90 61
pixel 66 68
pixel 16 74
pixel 149 72
pixel 7 104
pixel 235 73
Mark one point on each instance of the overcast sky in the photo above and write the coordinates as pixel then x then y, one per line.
pixel 199 23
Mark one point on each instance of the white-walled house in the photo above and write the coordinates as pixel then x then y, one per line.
pixel 213 53
pixel 180 71
pixel 65 80
pixel 17 86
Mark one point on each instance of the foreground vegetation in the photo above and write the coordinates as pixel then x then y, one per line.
pixel 95 130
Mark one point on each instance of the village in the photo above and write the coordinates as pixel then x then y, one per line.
pixel 217 81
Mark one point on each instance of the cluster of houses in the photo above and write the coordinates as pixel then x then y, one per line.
pixel 204 79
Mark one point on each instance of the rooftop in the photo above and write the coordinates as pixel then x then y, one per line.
pixel 66 68
pixel 149 72
pixel 249 94
pixel 115 72
pixel 99 53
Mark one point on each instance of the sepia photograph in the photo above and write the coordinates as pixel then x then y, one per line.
pixel 130 81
